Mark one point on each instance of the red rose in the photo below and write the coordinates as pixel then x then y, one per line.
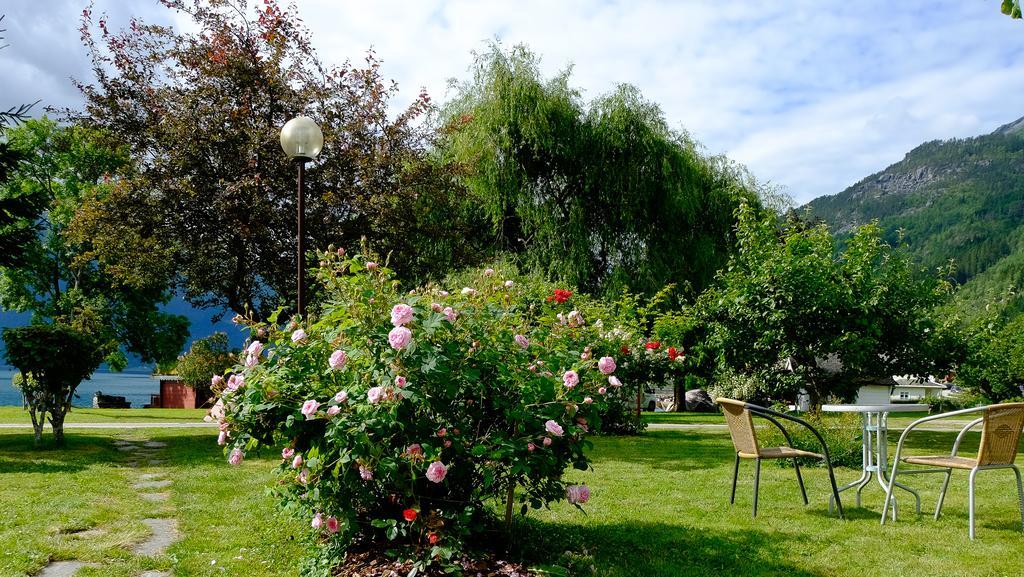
pixel 672 353
pixel 433 538
pixel 653 345
pixel 560 296
pixel 409 515
pixel 624 350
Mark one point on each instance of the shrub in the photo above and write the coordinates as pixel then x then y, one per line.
pixel 209 356
pixel 842 433
pixel 404 418
pixel 53 359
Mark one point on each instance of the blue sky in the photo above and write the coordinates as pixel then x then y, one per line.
pixel 810 95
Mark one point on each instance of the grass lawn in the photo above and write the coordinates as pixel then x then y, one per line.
pixel 113 416
pixel 659 508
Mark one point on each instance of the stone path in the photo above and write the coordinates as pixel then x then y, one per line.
pixel 163 530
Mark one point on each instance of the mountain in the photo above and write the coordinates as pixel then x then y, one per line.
pixel 960 199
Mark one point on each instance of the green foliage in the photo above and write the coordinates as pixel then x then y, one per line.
pixel 207 357
pixel 605 196
pixel 224 204
pixel 994 367
pixel 57 279
pixel 1011 8
pixel 788 301
pixel 468 408
pixel 842 434
pixel 54 360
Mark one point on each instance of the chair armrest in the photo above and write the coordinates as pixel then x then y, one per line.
pixel 774 421
pixel 922 420
pixel 769 413
pixel 963 432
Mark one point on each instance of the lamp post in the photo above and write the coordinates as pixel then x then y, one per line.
pixel 302 141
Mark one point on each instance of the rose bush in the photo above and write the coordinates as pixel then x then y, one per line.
pixel 408 417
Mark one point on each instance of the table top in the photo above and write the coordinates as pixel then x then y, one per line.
pixel 893 408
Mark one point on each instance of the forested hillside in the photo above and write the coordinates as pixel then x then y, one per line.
pixel 960 199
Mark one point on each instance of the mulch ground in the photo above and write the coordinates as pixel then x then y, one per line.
pixel 373 563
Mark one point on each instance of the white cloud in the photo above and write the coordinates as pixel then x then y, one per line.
pixel 811 96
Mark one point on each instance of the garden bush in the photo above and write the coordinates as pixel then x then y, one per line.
pixel 405 419
pixel 842 434
pixel 211 355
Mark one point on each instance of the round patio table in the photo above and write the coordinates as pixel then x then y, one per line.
pixel 875 450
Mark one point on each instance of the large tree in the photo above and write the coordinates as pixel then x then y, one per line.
pixel 602 195
pixel 792 310
pixel 201 113
pixel 58 280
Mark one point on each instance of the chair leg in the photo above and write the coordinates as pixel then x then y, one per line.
pixel 800 480
pixel 1020 494
pixel 970 502
pixel 757 482
pixel 888 493
pixel 942 494
pixel 735 473
pixel 835 489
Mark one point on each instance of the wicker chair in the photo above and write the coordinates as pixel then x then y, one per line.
pixel 1000 438
pixel 739 417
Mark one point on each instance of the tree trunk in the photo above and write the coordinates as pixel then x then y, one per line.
pixel 37 426
pixel 57 421
pixel 679 401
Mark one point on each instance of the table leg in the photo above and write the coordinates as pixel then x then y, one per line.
pixel 883 461
pixel 865 474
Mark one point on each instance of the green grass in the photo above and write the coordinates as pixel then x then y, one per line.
pixel 224 515
pixel 113 416
pixel 659 507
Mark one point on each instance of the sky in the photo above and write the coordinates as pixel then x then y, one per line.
pixel 811 96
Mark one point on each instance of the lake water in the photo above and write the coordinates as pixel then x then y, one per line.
pixel 135 386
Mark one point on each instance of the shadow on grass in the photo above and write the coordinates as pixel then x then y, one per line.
pixel 654 549
pixel 669 450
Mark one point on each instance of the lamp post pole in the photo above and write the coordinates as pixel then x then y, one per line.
pixel 302 141
pixel 299 241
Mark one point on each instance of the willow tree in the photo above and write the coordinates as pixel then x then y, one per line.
pixel 603 195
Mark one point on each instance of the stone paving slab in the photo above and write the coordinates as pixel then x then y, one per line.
pixel 156 461
pixel 155 497
pixel 154 444
pixel 156 574
pixel 152 485
pixel 165 531
pixel 61 569
pixel 127 448
pixel 150 476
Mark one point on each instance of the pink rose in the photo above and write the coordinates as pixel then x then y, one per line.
pixel 332 524
pixel 522 341
pixel 587 400
pixel 374 395
pixel 317 522
pixel 222 438
pixel 333 411
pixel 436 472
pixel 401 314
pixel 531 447
pixel 341 397
pixel 298 336
pixel 370 265
pixel 365 473
pixel 489 272
pixel 251 360
pixel 235 382
pixel 442 293
pixel 577 494
pixel 553 428
pixel 509 284
pixel 602 390
pixel 341 252
pixel 614 381
pixel 297 462
pixel 309 408
pixel 216 412
pixel 466 291
pixel 399 338
pixel 400 382
pixel 450 314
pixel 337 360
pixel 303 476
pixel 606 365
pixel 217 381
pixel 286 453
pixel 570 379
pixel 236 456
pixel 442 432
pixel 547 441
pixel 414 450
pixel 436 307
pixel 255 348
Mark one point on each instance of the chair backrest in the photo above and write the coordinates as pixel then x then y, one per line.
pixel 1000 434
pixel 741 425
